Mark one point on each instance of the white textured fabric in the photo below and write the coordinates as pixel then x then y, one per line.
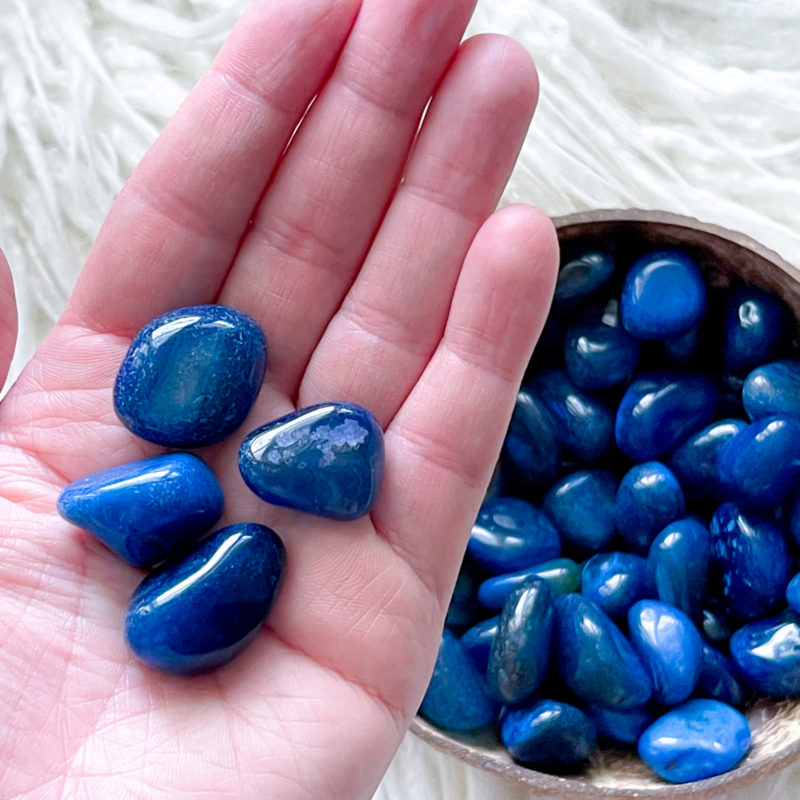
pixel 691 106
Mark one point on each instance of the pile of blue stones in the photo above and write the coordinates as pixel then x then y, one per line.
pixel 629 576
pixel 189 380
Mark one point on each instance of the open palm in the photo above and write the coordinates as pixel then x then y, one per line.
pixel 372 260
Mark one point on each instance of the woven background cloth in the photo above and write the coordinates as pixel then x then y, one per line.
pixel 691 106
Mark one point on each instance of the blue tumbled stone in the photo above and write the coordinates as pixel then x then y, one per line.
pixel 773 389
pixel 614 581
pixel 463 608
pixel 697 740
pixel 752 555
pixel 200 609
pixel 793 593
pixel 660 410
pixel 720 679
pixel 649 497
pixel 456 699
pixel 663 296
pixel 325 460
pixel 594 659
pixel 621 726
pixel 582 507
pixel 146 511
pixel 477 642
pixel 191 376
pixel 581 277
pixel 549 736
pixel 563 575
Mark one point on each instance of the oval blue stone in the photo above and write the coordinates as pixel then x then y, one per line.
pixel 477 642
pixel 191 376
pixel 719 678
pixel 581 277
pixel 697 740
pixel 621 725
pixel 148 510
pixel 773 389
pixel 200 609
pixel 325 460
pixel 563 575
pixel 614 581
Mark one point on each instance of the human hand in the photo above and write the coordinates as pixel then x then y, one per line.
pixel 411 299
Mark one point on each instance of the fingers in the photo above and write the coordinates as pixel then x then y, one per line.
pixel 379 342
pixel 8 319
pixel 442 445
pixel 173 232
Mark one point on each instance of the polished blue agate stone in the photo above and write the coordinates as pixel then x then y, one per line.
pixel 793 593
pixel 463 609
pixel 663 296
pixel 678 565
pixel 760 466
pixel 614 581
pixel 200 609
pixel 549 736
pixel 594 659
pixel 511 534
pixel 598 351
pixel 758 328
pixel 659 411
pixel 621 725
pixel 477 642
pixel 580 278
pixel 191 376
pixel 563 575
pixel 582 507
pixel 720 679
pixel 752 555
pixel 649 497
pixel 146 511
pixel 670 648
pixel 520 656
pixel 697 740
pixel 325 460
pixel 773 389
pixel 456 699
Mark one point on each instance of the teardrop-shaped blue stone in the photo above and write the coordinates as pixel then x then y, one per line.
pixel 773 389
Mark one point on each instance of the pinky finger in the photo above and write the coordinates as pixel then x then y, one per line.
pixel 8 319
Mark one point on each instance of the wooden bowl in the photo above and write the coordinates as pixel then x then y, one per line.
pixel 726 258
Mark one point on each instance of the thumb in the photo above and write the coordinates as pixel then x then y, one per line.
pixel 8 319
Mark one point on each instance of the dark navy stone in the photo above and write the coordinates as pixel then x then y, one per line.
pixel 581 506
pixel 580 278
pixel 758 328
pixel 670 648
pixel 200 609
pixel 682 349
pixel 191 376
pixel 598 351
pixel 549 736
pixel 563 575
pixel 512 534
pixel 594 659
pixel 794 518
pixel 730 396
pixel 621 726
pixel 649 497
pixel 456 699
pixel 695 461
pixel 615 581
pixel 760 466
pixel 752 555
pixel 463 609
pixel 146 511
pixel 585 423
pixel 720 679
pixel 767 653
pixel 663 296
pixel 678 564
pixel 477 642
pixel 325 460
pixel 660 411
pixel 717 626
pixel 697 740
pixel 773 389
pixel 520 656
pixel 793 593
pixel 549 350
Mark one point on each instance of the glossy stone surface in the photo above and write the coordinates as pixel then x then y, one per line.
pixel 793 593
pixel 580 278
pixel 520 656
pixel 148 510
pixel 773 389
pixel 511 534
pixel 191 376
pixel 549 736
pixel 582 507
pixel 325 460
pixel 456 699
pixel 670 648
pixel 649 498
pixel 621 726
pixel 660 411
pixel 598 351
pixel 614 581
pixel 463 609
pixel 663 295
pixel 595 661
pixel 695 461
pixel 563 575
pixel 720 679
pixel 760 466
pixel 585 423
pixel 752 555
pixel 477 642
pixel 697 740
pixel 678 565
pixel 757 329
pixel 200 609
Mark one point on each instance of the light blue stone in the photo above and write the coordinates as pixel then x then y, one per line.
pixel 773 389
pixel 563 575
pixel 614 581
